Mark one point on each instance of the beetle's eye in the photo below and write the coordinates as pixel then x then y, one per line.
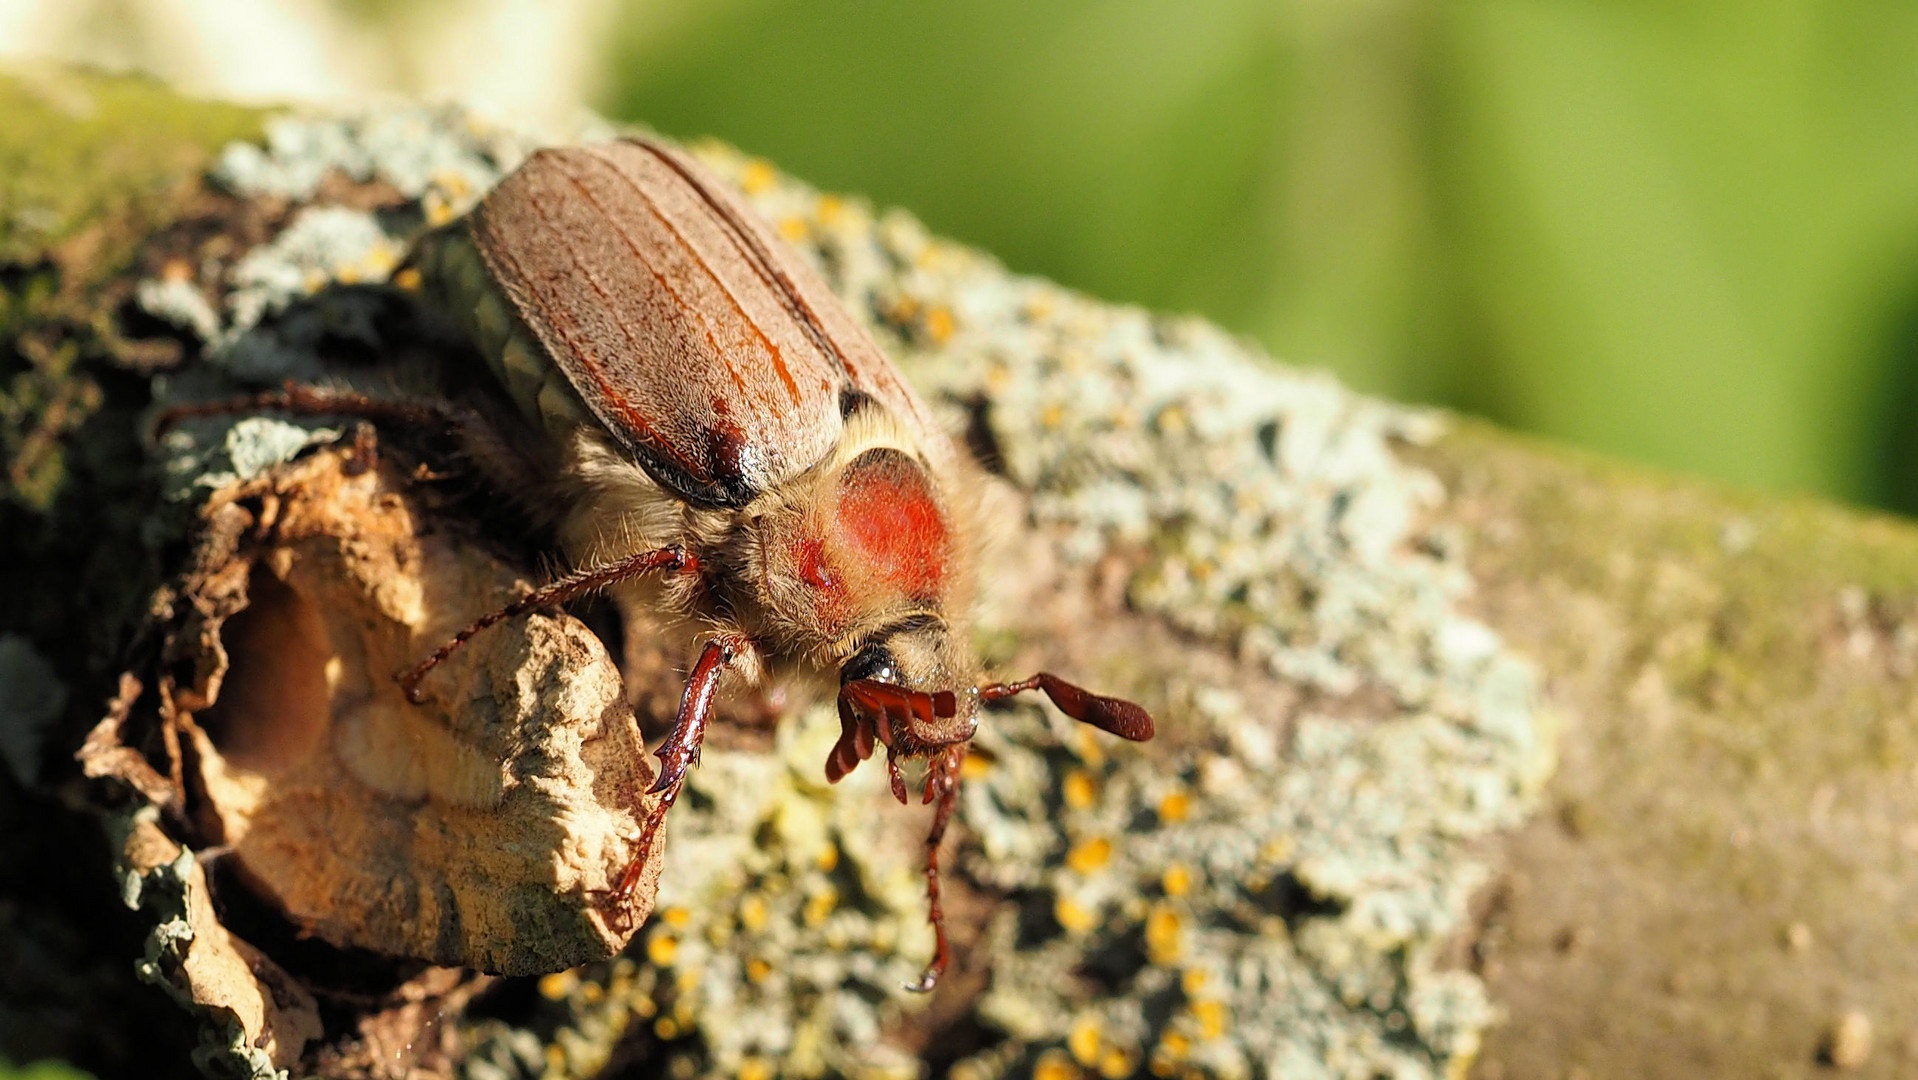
pixel 871 662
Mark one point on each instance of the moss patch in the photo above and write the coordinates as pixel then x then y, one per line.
pixel 1740 676
pixel 80 147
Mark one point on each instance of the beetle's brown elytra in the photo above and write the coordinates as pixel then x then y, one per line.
pixel 710 418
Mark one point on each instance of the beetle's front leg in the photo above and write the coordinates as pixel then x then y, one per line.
pixel 942 785
pixel 680 751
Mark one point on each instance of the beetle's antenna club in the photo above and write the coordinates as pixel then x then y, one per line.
pixel 1118 716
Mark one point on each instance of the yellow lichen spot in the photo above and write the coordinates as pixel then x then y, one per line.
pixel 757 969
pixel 793 229
pixel 684 982
pixel 1175 1044
pixel 347 275
pixel 1039 305
pixel 1175 806
pixel 828 859
pixel 1083 1041
pixel 975 767
pixel 904 310
pixel 998 377
pixel 1089 855
pixel 829 209
pixel 314 281
pixel 556 986
pixel 1211 1016
pixel 1053 415
pixel 1278 849
pixel 1164 936
pixel 755 1068
pixel 666 1028
pixel 661 949
pixel 1088 749
pixel 819 905
pixel 453 183
pixel 939 325
pixel 1177 880
pixel 438 210
pixel 644 1006
pixel 408 279
pixel 1161 1063
pixel 1074 916
pixel 1116 1063
pixel 1172 420
pixel 1192 980
pixel 1080 789
pixel 676 917
pixel 752 912
pixel 757 176
pixel 1055 1065
pixel 592 993
pixel 555 1056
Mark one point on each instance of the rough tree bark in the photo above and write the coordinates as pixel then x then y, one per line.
pixel 1717 878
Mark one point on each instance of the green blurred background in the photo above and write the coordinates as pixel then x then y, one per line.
pixel 1684 232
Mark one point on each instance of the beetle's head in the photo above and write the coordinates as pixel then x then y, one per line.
pixel 912 688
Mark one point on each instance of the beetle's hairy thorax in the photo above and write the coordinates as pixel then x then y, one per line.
pixel 865 538
pixel 770 570
pixel 775 570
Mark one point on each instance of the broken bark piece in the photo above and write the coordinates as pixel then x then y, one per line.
pixel 261 1014
pixel 480 829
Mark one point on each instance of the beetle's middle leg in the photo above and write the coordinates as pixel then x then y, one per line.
pixel 672 558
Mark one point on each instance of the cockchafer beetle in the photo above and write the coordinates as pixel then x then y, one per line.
pixel 722 442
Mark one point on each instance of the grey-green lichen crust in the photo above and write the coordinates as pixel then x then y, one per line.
pixel 235 993
pixel 1269 897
